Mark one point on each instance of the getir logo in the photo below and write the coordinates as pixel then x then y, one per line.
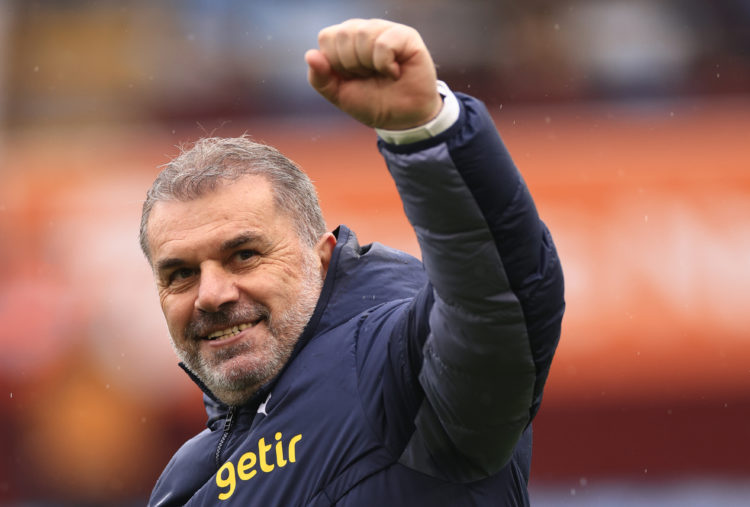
pixel 246 469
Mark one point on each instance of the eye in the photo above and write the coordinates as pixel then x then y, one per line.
pixel 244 255
pixel 180 274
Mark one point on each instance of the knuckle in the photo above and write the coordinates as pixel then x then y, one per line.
pixel 361 32
pixel 342 36
pixel 328 33
pixel 323 37
pixel 381 45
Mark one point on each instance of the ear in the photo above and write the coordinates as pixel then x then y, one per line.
pixel 324 251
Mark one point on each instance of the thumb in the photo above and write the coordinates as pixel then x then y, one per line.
pixel 319 73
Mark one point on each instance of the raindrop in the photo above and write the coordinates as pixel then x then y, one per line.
pixel 11 395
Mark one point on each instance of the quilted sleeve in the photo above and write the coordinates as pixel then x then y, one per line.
pixel 498 296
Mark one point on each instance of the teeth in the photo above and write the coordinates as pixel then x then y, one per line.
pixel 224 333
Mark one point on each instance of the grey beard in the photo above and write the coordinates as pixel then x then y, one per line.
pixel 238 385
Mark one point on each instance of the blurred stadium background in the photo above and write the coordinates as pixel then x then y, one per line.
pixel 630 120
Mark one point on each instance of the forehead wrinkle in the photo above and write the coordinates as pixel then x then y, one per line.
pixel 240 239
pixel 207 222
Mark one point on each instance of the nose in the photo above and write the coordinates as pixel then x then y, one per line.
pixel 216 288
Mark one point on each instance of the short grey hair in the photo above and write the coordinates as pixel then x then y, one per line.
pixel 214 161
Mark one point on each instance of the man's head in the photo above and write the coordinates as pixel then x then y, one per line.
pixel 239 250
pixel 216 161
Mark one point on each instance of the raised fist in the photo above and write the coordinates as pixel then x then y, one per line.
pixel 377 71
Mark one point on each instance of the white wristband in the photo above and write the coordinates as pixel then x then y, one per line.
pixel 442 122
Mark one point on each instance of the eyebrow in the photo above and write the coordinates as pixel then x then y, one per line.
pixel 167 264
pixel 230 244
pixel 239 240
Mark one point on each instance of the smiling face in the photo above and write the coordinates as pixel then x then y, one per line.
pixel 236 284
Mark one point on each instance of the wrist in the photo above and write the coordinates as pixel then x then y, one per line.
pixel 444 119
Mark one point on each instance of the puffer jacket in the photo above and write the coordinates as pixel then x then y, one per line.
pixel 414 383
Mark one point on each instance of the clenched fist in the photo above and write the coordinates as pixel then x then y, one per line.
pixel 377 71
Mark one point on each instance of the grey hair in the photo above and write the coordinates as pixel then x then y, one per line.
pixel 213 161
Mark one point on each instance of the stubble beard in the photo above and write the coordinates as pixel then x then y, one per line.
pixel 232 380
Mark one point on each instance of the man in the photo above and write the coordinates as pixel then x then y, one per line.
pixel 336 374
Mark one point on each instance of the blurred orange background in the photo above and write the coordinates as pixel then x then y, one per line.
pixel 645 186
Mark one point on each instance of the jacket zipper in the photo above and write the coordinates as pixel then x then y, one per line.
pixel 228 422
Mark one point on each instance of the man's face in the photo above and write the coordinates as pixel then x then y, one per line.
pixel 235 282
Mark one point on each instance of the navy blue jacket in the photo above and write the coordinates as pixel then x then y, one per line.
pixel 414 383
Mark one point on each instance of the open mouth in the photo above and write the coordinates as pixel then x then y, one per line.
pixel 229 332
